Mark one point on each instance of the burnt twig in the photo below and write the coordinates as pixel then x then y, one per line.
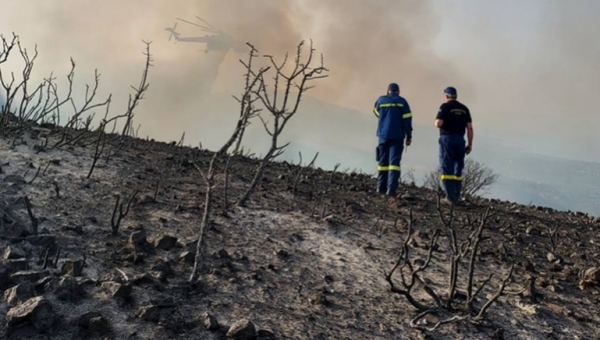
pixel 282 109
pixel 413 276
pixel 554 237
pixel 36 174
pixel 209 179
pixel 46 255
pixel 100 143
pixel 56 189
pixel 156 190
pixel 475 245
pixel 333 172
pixel 118 213
pixel 499 292
pixel 409 275
pixel 295 186
pixel 56 258
pixel 34 220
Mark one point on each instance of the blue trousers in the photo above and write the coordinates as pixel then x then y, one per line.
pixel 452 162
pixel 389 154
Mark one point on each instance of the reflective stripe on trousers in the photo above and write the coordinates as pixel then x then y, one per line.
pixel 452 162
pixel 389 155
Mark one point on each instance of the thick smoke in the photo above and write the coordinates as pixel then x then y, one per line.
pixel 523 68
pixel 366 45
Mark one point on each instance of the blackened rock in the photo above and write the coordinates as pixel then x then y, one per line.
pixel 116 290
pixel 223 254
pixel 165 242
pixel 72 268
pixel 84 320
pixel 19 293
pixel 187 256
pixel 14 179
pixel 137 238
pixel 12 253
pixel 243 329
pixel 36 311
pixel 29 275
pixel 99 325
pixel 209 321
pixel 163 267
pixel 16 265
pixel 264 334
pixel 68 289
pixel 148 313
pixel 147 278
pixel 45 241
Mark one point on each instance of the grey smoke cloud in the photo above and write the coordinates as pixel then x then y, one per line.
pixel 516 82
pixel 364 44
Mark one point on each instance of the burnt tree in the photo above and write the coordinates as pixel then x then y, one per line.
pixel 280 103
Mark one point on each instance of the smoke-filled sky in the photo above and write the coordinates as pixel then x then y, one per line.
pixel 528 70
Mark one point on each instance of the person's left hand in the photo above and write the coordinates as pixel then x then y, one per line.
pixel 408 141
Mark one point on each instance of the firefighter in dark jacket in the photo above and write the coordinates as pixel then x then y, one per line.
pixel 453 119
pixel 394 127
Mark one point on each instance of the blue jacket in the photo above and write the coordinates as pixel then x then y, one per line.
pixel 395 118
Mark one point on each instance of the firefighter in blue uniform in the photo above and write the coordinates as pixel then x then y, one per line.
pixel 453 119
pixel 394 127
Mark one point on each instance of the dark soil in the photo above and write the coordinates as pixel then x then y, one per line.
pixel 303 264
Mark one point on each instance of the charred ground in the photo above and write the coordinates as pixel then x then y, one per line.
pixel 306 258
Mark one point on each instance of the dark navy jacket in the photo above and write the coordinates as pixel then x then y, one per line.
pixel 395 118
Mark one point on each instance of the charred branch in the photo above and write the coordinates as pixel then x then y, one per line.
pixel 99 149
pixel 118 213
pixel 226 184
pixel 280 104
pixel 36 174
pixel 407 281
pixel 156 190
pixel 45 254
pixel 75 121
pixel 139 91
pixel 56 258
pixel 209 179
pixel 27 105
pixel 248 109
pixel 445 305
pixel 32 218
pixel 46 168
pixel 554 238
pixel 56 189
pixel 134 100
pixel 335 168
pixel 295 186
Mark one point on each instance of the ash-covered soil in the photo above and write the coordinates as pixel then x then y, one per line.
pixel 308 264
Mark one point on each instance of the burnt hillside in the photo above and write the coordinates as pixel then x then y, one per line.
pixel 305 259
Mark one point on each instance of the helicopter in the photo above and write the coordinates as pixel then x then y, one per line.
pixel 217 41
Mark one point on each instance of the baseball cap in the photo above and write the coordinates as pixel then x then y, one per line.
pixel 450 90
pixel 394 87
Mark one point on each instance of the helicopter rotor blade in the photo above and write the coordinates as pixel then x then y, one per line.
pixel 172 30
pixel 209 31
pixel 207 24
pixel 203 28
pixel 191 23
